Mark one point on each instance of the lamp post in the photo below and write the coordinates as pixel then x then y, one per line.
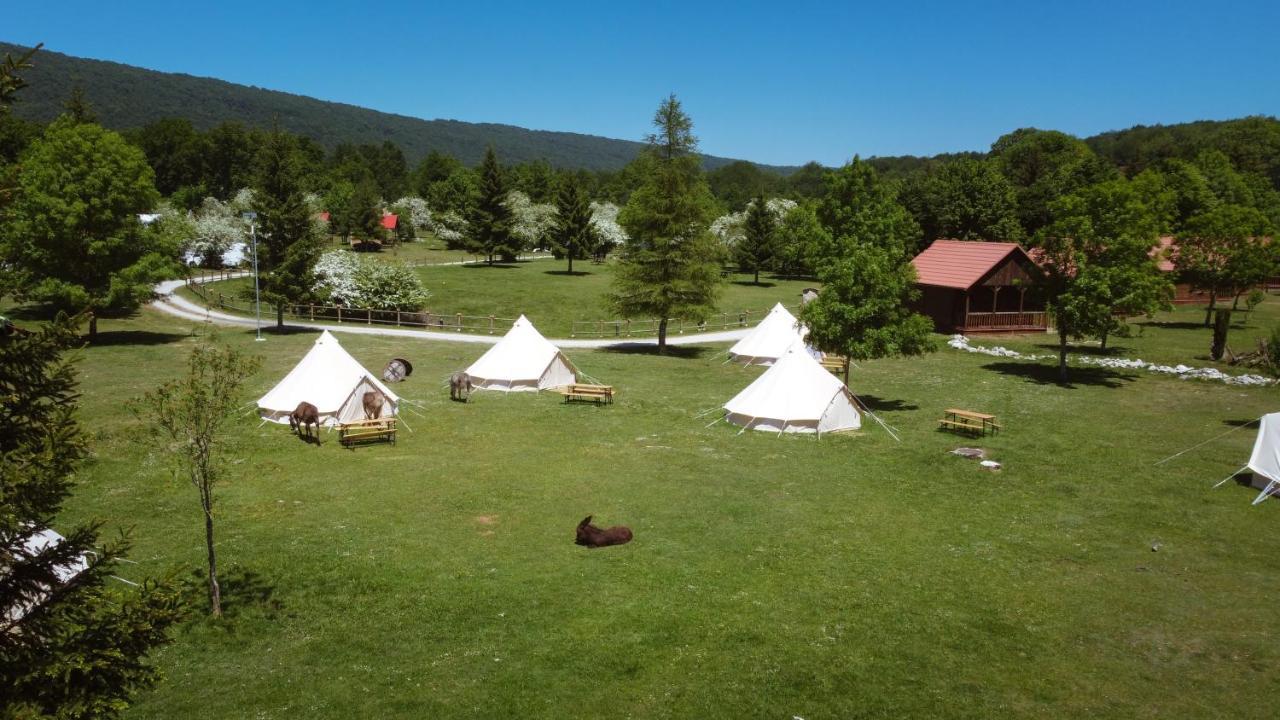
pixel 257 298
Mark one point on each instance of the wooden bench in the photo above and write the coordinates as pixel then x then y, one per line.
pixel 374 430
pixel 837 364
pixel 969 421
pixel 588 393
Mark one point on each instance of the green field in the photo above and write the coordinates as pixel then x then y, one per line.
pixel 771 577
pixel 553 299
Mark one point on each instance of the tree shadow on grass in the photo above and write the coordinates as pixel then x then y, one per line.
pixel 495 266
pixel 575 273
pixel 1048 374
pixel 1175 325
pixel 1094 350
pixel 875 404
pixel 752 283
pixel 1241 423
pixel 242 591
pixel 107 338
pixel 685 352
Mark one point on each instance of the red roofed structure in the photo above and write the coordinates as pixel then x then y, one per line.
pixel 979 287
pixel 389 221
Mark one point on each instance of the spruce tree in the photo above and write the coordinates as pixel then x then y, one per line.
pixel 573 236
pixel 669 266
pixel 288 245
pixel 73 641
pixel 756 248
pixel 489 224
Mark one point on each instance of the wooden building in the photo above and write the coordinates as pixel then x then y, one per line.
pixel 979 287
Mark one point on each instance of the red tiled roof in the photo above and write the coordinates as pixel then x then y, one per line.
pixel 389 221
pixel 960 263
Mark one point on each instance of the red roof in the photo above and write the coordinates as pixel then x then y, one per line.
pixel 389 221
pixel 324 216
pixel 961 264
pixel 1162 252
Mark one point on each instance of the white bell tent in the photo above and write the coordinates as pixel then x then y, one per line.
pixel 1265 459
pixel 34 544
pixel 770 339
pixel 522 361
pixel 796 395
pixel 329 378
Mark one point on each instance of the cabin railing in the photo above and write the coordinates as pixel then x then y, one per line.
pixel 1004 320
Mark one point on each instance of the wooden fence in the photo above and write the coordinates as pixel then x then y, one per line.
pixel 457 322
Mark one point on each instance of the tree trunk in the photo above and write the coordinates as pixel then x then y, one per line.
pixel 93 326
pixel 662 336
pixel 1105 333
pixel 215 592
pixel 1062 353
pixel 1221 324
pixel 280 316
pixel 1235 304
pixel 571 260
pixel 757 276
pixel 1208 312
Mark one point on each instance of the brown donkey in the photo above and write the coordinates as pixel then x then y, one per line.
pixel 594 537
pixel 305 415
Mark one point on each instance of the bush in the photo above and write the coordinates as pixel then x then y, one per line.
pixel 356 281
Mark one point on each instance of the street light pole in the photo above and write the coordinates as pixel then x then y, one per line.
pixel 257 297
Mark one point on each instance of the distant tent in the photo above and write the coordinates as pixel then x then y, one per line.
pixel 796 395
pixel 1265 460
pixel 35 544
pixel 330 379
pixel 522 360
pixel 770 339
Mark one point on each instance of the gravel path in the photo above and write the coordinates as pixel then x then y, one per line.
pixel 170 303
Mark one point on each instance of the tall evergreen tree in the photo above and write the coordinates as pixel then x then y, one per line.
pixel 288 244
pixel 73 642
pixel 572 236
pixel 489 224
pixel 669 266
pixel 756 249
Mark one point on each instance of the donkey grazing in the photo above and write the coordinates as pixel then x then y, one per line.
pixel 372 405
pixel 305 415
pixel 594 537
pixel 460 386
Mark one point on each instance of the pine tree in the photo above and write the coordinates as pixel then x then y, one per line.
pixel 288 244
pixel 756 248
pixel 573 236
pixel 72 644
pixel 489 224
pixel 669 266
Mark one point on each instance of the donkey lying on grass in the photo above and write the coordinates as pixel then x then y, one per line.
pixel 305 415
pixel 594 537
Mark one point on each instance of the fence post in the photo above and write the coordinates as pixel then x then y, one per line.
pixel 490 324
pixel 397 318
pixel 368 316
pixel 459 316
pixel 312 311
pixel 339 313
pixel 628 321
pixel 599 328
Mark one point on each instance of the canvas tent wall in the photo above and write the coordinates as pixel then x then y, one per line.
pixel 329 378
pixel 522 361
pixel 1264 461
pixel 36 543
pixel 770 339
pixel 796 395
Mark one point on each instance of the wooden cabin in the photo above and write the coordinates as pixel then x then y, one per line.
pixel 979 287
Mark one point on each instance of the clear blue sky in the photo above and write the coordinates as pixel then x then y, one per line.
pixel 777 82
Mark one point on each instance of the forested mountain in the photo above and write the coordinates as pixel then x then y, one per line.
pixel 125 97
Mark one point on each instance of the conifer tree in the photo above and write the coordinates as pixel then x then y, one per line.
pixel 756 248
pixel 669 266
pixel 573 236
pixel 288 244
pixel 489 224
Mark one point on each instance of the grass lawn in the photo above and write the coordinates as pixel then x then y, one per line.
pixel 769 577
pixel 553 299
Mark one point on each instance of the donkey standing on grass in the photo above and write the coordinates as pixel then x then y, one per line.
pixel 594 537
pixel 460 386
pixel 305 415
pixel 372 405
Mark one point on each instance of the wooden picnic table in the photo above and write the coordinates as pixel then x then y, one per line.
pixel 957 419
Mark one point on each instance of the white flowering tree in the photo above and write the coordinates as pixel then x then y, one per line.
pixel 609 234
pixel 242 201
pixel 730 228
pixel 346 278
pixel 416 209
pixel 531 222
pixel 217 228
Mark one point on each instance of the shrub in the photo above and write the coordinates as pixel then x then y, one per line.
pixel 357 281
